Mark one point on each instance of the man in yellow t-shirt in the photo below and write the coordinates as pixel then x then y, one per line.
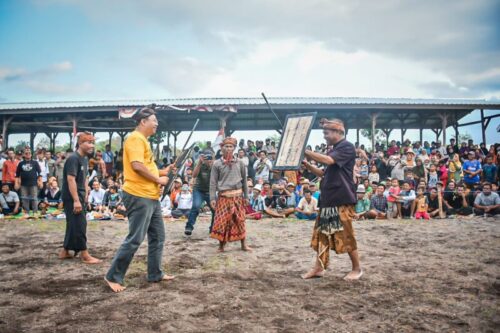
pixel 141 193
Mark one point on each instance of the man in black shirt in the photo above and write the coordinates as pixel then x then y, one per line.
pixel 28 180
pixel 333 228
pixel 74 193
pixel 456 200
pixel 201 190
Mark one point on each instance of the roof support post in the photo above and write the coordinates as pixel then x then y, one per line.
pixel 387 133
pixel 175 134
pixel 483 127
pixel 122 137
pixel 374 123
pixel 5 131
pixel 444 124
pixel 70 140
pixel 420 130
pixel 456 133
pixel 279 131
pixel 110 137
pixel 32 140
pixel 403 132
pixel 357 135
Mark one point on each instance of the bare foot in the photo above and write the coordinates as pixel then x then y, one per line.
pixel 116 287
pixel 353 275
pixel 168 277
pixel 314 273
pixel 91 260
pixel 220 249
pixel 64 254
pixel 246 248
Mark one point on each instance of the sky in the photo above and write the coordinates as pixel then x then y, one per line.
pixel 72 50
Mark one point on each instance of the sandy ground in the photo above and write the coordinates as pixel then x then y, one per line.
pixel 438 276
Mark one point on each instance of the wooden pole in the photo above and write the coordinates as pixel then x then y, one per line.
pixel 444 124
pixel 421 130
pixel 483 127
pixel 5 131
pixel 374 123
pixel 357 135
pixel 110 137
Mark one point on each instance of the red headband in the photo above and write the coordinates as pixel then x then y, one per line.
pixel 332 125
pixel 229 141
pixel 85 137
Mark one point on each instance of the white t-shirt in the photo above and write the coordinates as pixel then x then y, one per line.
pixel 308 207
pixel 184 200
pixel 96 197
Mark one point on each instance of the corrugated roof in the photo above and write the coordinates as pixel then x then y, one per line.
pixel 475 103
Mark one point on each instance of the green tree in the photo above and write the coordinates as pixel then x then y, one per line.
pixel 21 144
pixel 379 135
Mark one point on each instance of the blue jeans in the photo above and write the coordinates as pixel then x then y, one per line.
pixel 302 216
pixel 144 217
pixel 198 199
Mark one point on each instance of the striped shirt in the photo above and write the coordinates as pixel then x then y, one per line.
pixel 225 177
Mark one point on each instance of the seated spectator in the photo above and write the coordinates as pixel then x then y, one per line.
pixel 373 176
pixel 256 207
pixel 456 200
pixel 432 176
pixel 363 204
pixel 166 205
pixel 112 199
pixel 378 204
pixel 307 208
pixel 406 199
pixel 487 203
pixel 433 203
pixel 284 204
pixel 9 201
pixel 96 197
pixel 368 188
pixel 421 204
pixel 176 189
pixel 292 200
pixel 184 201
pixel 410 179
pixel 314 191
pixel 271 204
pixel 52 196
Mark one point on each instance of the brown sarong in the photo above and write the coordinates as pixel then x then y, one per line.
pixel 341 241
pixel 229 224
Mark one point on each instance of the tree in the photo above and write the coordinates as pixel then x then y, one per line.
pixel 21 145
pixel 380 137
pixel 463 137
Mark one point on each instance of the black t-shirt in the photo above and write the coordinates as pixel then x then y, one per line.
pixel 433 203
pixel 203 179
pixel 337 186
pixel 77 166
pixel 28 171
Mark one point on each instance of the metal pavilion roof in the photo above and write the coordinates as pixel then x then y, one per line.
pixel 251 113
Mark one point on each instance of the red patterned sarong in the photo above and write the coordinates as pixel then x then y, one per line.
pixel 229 224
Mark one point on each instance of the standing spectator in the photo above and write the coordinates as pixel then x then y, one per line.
pixel 28 180
pixel 44 168
pixel 9 201
pixel 393 206
pixel 472 170
pixel 201 190
pixel 455 168
pixel 262 166
pixel 487 203
pixel 421 205
pixel 9 169
pixel 108 159
pixel 51 164
pixel 60 159
pixel 490 171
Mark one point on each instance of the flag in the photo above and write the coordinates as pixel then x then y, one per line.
pixel 218 140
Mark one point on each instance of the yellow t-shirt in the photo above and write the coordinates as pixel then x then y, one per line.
pixel 137 149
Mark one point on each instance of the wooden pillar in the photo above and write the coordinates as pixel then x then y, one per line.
pixel 387 133
pixel 5 131
pixel 280 132
pixel 70 140
pixel 374 123
pixel 122 137
pixel 403 132
pixel 168 140
pixel 32 140
pixel 483 127
pixel 456 133
pixel 175 134
pixel 357 135
pixel 444 124
pixel 421 130
pixel 110 137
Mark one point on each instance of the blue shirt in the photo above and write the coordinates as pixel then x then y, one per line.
pixel 490 172
pixel 472 166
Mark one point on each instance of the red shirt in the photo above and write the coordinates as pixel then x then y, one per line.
pixel 9 171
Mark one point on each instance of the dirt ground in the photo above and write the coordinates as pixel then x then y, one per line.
pixel 437 276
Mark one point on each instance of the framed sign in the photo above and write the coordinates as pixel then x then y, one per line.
pixel 293 141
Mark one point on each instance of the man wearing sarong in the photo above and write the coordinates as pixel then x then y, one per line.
pixel 229 180
pixel 141 194
pixel 333 228
pixel 74 193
